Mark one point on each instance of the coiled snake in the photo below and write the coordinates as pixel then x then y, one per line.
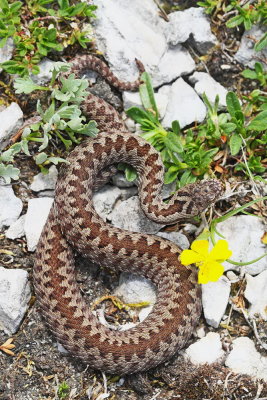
pixel 74 225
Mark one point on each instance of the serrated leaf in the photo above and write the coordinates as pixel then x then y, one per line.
pixel 25 85
pixel 9 172
pixel 235 143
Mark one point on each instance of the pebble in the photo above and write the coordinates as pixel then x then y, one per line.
pixel 246 54
pixel 206 350
pixel 11 119
pixel 245 359
pixel 36 216
pixel 10 206
pixel 14 297
pixel 129 215
pixel 193 25
pixel 46 66
pixel 105 199
pixel 45 181
pixel 6 51
pixel 176 237
pixel 215 296
pixel 16 230
pixel 184 104
pixel 204 83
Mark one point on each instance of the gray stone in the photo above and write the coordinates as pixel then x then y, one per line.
pixel 135 289
pixel 46 193
pixel 14 297
pixel 168 190
pixel 215 296
pixel 105 199
pixel 184 104
pixel 256 294
pixel 246 54
pixel 6 51
pixel 206 350
pixel 244 232
pixel 244 359
pixel 36 216
pixel 120 181
pixel 45 181
pixel 192 24
pixel 123 33
pixel 10 206
pixel 176 237
pixel 128 215
pixel 11 119
pixel 46 66
pixel 16 230
pixel 204 83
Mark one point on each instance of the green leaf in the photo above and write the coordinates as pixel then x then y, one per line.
pixel 26 85
pixel 8 172
pixel 249 74
pixel 259 123
pixel 173 142
pixel 130 173
pixel 235 21
pixel 171 174
pixel 137 114
pixel 56 160
pixel 147 94
pixel 262 43
pixel 40 158
pixel 176 127
pixel 235 144
pixel 233 104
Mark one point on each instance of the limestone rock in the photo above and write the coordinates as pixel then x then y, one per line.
pixel 10 206
pixel 204 83
pixel 206 350
pixel 256 294
pixel 45 181
pixel 11 119
pixel 14 297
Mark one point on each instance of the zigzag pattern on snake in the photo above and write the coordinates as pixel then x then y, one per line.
pixel 73 225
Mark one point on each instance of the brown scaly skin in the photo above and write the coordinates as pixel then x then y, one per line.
pixel 73 224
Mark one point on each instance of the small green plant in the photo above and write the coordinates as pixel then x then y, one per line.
pixel 39 27
pixel 258 74
pixel 63 390
pixel 247 13
pixel 61 121
pixel 188 155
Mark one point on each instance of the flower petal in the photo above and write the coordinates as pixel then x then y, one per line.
pixel 210 271
pixel 201 247
pixel 220 251
pixel 188 257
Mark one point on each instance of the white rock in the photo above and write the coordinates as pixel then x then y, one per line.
pixel 36 216
pixel 11 119
pixel 215 296
pixel 132 99
pixel 128 215
pixel 105 199
pixel 16 230
pixel 256 294
pixel 243 233
pixel 123 33
pixel 176 237
pixel 6 51
pixel 244 359
pixel 45 181
pixel 246 54
pixel 206 350
pixel 191 24
pixel 135 289
pixel 14 297
pixel 10 206
pixel 46 66
pixel 174 63
pixel 204 83
pixel 184 104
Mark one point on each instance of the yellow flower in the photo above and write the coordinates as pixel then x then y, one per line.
pixel 209 263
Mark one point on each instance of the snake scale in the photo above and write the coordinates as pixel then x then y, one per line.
pixel 73 225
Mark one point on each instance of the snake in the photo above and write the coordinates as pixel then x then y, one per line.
pixel 73 226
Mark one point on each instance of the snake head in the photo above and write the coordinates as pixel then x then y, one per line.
pixel 205 193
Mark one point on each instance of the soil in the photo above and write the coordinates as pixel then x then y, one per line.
pixel 38 370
